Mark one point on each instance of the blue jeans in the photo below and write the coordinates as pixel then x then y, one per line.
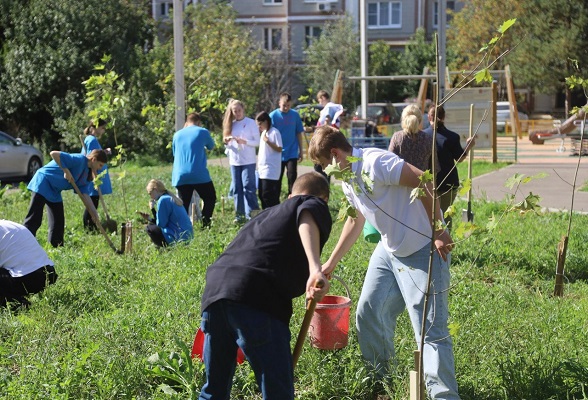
pixel 265 341
pixel 245 194
pixel 393 284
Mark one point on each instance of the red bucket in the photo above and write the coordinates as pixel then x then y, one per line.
pixel 329 327
pixel 198 348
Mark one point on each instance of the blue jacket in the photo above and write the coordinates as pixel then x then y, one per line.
pixel 49 181
pixel 173 220
pixel 91 143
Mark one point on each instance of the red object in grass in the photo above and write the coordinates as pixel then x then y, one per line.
pixel 198 348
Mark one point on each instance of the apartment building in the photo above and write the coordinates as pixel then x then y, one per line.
pixel 291 25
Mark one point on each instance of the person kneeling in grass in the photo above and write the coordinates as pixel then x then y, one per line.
pixel 170 223
pixel 247 300
pixel 25 267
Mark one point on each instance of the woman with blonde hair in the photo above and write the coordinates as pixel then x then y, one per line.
pixel 170 223
pixel 411 143
pixel 241 137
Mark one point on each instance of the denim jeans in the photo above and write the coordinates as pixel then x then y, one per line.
pixel 265 341
pixel 245 194
pixel 393 284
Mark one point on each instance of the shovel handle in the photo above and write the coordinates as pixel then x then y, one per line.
pixel 304 328
pixel 96 220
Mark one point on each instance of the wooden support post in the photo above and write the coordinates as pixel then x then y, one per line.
pixel 562 249
pixel 126 237
pixel 417 383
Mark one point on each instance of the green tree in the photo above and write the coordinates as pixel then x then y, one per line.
pixel 337 48
pixel 50 46
pixel 547 35
pixel 222 61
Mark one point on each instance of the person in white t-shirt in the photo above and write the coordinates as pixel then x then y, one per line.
pixel 397 275
pixel 241 136
pixel 331 112
pixel 25 267
pixel 269 161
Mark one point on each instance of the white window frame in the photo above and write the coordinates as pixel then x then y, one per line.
pixel 436 12
pixel 391 6
pixel 310 33
pixel 165 7
pixel 268 39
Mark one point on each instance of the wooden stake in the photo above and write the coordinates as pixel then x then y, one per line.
pixel 561 261
pixel 417 383
pixel 126 237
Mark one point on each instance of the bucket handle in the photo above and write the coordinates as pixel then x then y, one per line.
pixel 342 283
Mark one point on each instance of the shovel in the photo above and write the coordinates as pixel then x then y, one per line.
pixel 304 328
pixel 110 224
pixel 96 220
pixel 468 215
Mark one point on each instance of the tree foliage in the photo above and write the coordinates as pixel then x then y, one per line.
pixel 50 46
pixel 336 49
pixel 547 35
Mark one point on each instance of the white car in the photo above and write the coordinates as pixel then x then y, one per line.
pixel 503 115
pixel 18 160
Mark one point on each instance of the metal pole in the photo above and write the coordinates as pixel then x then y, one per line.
pixel 363 56
pixel 442 22
pixel 179 63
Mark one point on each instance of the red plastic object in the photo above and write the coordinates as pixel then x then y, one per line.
pixel 198 348
pixel 329 326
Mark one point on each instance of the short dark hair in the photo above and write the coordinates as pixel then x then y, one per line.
pixel 98 155
pixel 313 184
pixel 285 95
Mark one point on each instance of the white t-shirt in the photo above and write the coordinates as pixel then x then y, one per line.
pixel 243 154
pixel 333 111
pixel 404 226
pixel 269 161
pixel 20 253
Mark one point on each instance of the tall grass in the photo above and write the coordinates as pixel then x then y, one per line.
pixel 118 326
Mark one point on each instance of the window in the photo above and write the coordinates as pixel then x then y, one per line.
pixel 272 1
pixel 311 34
pixel 385 14
pixel 450 5
pixel 164 9
pixel 272 39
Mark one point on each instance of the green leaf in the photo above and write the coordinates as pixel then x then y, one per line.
pixel 483 76
pixel 514 180
pixel 506 25
pixel 368 182
pixel 453 328
pixel 416 193
pixel 466 187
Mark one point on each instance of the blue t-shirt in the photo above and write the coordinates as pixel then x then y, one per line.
pixel 91 143
pixel 189 149
pixel 173 220
pixel 49 181
pixel 290 126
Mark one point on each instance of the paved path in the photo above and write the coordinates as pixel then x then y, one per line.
pixel 555 189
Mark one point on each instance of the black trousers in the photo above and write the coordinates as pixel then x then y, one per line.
pixel 34 218
pixel 87 218
pixel 206 192
pixel 292 172
pixel 11 289
pixel 156 235
pixel 269 192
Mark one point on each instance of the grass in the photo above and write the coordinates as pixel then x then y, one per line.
pixel 119 326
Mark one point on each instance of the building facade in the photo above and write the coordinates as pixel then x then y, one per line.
pixel 289 26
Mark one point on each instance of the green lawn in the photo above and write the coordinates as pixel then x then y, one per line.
pixel 92 334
